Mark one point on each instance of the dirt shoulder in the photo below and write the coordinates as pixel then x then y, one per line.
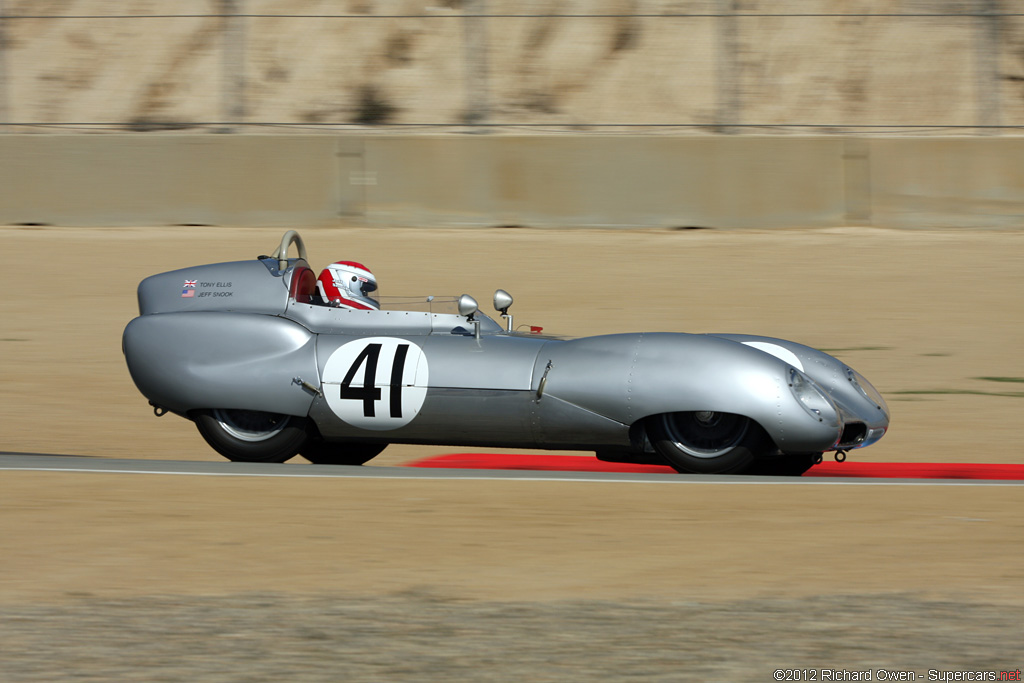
pixel 90 535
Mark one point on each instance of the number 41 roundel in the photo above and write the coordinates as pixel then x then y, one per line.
pixel 376 383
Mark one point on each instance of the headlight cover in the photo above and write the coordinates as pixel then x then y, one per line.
pixel 866 390
pixel 812 397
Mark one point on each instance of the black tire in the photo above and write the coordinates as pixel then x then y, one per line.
pixel 706 442
pixel 792 465
pixel 320 452
pixel 251 435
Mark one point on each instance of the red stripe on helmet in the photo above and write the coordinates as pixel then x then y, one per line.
pixel 351 264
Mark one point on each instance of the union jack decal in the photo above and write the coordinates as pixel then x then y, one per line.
pixel 190 283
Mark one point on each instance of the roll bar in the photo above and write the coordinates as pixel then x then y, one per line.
pixel 281 253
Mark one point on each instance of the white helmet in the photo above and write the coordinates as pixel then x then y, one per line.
pixel 348 284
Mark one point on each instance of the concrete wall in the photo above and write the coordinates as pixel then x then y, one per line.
pixel 546 181
pixel 947 182
pixel 167 180
pixel 606 181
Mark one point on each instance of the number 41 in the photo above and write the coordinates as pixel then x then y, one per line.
pixel 369 393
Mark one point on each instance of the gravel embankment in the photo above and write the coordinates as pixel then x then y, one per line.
pixel 424 637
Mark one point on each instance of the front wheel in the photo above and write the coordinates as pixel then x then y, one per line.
pixel 252 435
pixel 706 442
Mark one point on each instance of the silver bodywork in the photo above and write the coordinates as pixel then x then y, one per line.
pixel 247 339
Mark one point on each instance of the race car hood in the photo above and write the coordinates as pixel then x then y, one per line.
pixel 828 372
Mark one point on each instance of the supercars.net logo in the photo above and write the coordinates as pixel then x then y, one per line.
pixel 893 675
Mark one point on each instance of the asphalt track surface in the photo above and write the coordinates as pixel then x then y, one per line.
pixel 75 463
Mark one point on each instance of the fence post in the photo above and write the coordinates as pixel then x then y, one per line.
pixel 233 74
pixel 728 86
pixel 987 72
pixel 475 36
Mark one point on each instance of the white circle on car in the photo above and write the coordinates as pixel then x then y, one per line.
pixel 376 383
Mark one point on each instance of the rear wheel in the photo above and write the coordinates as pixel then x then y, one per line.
pixel 706 442
pixel 320 452
pixel 252 435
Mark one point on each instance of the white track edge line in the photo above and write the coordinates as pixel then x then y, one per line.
pixel 810 481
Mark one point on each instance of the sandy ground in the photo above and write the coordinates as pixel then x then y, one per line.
pixel 924 315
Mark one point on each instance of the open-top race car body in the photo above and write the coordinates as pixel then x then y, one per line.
pixel 267 369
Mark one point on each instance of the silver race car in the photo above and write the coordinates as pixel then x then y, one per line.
pixel 268 365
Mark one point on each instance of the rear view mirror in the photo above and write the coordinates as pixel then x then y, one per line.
pixel 468 306
pixel 502 301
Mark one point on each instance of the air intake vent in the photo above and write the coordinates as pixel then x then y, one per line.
pixel 853 434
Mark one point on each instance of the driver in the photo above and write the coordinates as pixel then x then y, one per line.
pixel 347 284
